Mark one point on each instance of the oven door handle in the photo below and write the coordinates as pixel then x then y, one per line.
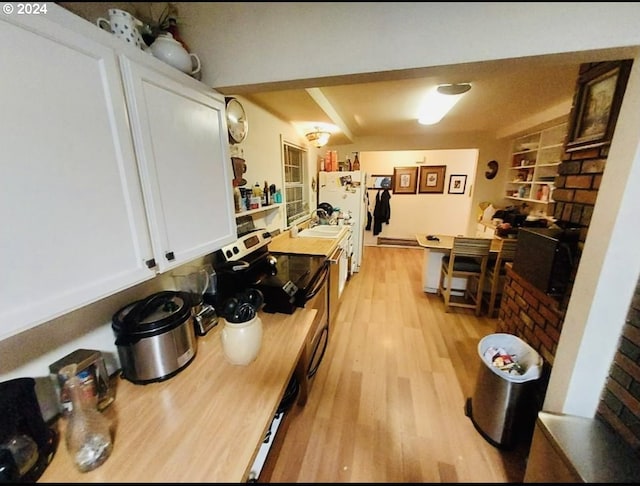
pixel 325 274
pixel 321 347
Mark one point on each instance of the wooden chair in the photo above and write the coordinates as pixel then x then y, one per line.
pixel 468 258
pixel 495 273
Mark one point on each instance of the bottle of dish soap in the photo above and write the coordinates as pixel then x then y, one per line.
pixel 256 197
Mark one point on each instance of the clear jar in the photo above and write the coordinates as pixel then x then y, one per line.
pixel 88 434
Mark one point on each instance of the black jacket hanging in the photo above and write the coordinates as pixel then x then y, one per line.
pixel 369 215
pixel 381 211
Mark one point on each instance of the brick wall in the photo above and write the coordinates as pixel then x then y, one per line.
pixel 533 316
pixel 620 402
pixel 530 314
pixel 537 318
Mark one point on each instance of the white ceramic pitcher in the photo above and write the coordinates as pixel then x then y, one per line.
pixel 124 26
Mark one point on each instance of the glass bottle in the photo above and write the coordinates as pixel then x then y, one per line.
pixel 237 197
pixel 88 435
pixel 356 162
pixel 172 28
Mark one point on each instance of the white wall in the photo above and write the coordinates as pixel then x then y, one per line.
pixel 262 152
pixel 486 146
pixel 252 42
pixel 423 213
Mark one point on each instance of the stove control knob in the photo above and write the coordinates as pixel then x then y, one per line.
pixel 272 263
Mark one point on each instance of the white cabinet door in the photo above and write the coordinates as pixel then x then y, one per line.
pixel 182 148
pixel 73 222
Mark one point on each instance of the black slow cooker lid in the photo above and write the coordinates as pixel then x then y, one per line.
pixel 160 312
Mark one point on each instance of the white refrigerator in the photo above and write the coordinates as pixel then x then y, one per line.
pixel 347 191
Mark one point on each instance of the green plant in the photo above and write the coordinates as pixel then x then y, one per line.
pixel 153 26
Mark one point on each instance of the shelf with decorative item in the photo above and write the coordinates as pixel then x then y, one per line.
pixel 524 159
pixel 535 158
pixel 521 174
pixel 528 199
pixel 262 209
pixel 546 173
pixel 518 189
pixel 536 192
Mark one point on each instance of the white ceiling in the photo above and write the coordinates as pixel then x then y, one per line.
pixel 386 104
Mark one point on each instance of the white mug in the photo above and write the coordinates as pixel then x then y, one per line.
pixel 124 26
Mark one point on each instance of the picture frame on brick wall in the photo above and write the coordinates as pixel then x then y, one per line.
pixel 596 105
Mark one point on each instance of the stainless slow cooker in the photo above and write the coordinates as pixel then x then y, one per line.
pixel 155 337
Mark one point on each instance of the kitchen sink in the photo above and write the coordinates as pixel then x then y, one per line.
pixel 322 231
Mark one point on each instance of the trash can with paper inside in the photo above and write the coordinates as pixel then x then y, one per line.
pixel 502 406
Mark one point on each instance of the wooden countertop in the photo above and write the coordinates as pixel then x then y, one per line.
pixel 206 423
pixel 446 243
pixel 284 243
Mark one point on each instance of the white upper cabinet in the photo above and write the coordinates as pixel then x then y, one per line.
pixel 72 213
pixel 182 148
pixel 82 217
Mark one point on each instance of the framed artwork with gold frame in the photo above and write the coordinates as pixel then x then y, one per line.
pixel 405 180
pixel 432 179
pixel 596 104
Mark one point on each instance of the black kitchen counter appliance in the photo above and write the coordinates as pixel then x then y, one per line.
pixel 286 281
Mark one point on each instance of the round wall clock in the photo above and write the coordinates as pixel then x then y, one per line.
pixel 237 124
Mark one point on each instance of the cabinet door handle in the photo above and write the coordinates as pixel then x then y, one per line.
pixel 170 256
pixel 336 255
pixel 150 263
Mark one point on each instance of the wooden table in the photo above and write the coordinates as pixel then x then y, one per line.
pixel 203 425
pixel 446 243
pixel 432 261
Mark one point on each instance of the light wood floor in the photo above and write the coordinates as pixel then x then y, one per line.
pixel 387 404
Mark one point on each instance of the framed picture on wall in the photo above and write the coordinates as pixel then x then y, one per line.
pixel 432 178
pixel 457 183
pixel 405 180
pixel 597 104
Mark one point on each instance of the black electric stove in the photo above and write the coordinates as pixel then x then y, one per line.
pixel 287 281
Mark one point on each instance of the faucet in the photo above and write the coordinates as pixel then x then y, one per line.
pixel 315 220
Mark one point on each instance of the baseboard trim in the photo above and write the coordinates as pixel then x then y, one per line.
pixel 382 240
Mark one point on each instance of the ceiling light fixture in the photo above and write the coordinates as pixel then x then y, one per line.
pixel 319 138
pixel 440 100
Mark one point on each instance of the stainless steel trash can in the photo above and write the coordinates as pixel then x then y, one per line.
pixel 501 403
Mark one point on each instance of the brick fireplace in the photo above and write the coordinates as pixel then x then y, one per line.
pixel 537 318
